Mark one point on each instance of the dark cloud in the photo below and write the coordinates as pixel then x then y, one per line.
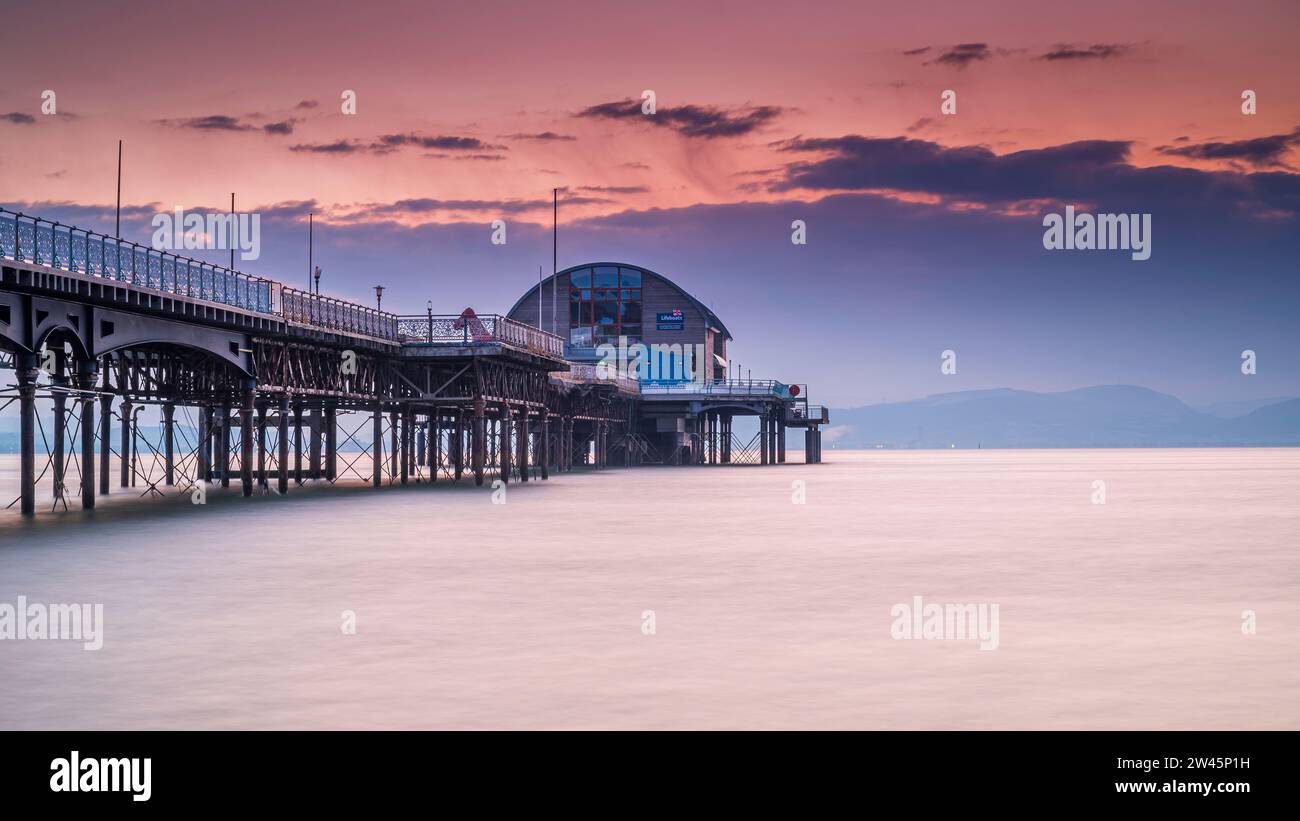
pixel 389 142
pixel 212 122
pixel 338 147
pixel 437 146
pixel 1090 171
pixel 1260 152
pixel 709 122
pixel 429 206
pixel 615 189
pixel 963 54
pixel 545 136
pixel 1098 51
pixel 283 127
pixel 306 104
pixel 915 51
pixel 226 122
pixel 18 118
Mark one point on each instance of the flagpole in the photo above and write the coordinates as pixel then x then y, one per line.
pixel 117 231
pixel 555 253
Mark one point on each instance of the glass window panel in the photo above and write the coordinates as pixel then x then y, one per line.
pixel 606 333
pixel 636 294
pixel 632 332
pixel 630 311
pixel 580 337
pixel 606 313
pixel 631 278
pixel 581 279
pixel 606 278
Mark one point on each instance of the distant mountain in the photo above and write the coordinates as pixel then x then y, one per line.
pixel 1103 416
pixel 1241 407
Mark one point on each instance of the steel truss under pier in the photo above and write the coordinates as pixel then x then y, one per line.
pixel 264 385
pixel 273 399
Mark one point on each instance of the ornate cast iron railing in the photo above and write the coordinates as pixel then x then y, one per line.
pixel 31 239
pixel 469 328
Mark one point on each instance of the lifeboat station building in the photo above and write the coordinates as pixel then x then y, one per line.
pixel 635 331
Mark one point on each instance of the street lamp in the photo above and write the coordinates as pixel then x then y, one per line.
pixel 316 274
pixel 428 306
pixel 379 297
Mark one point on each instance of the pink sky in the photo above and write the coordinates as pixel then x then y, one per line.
pixel 135 71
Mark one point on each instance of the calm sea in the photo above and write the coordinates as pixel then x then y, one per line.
pixel 766 613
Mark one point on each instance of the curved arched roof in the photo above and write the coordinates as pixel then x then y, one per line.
pixel 710 316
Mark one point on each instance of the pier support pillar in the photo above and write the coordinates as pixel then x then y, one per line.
pixel 763 437
pixel 503 442
pixel 394 447
pixel 377 446
pixel 780 438
pixel 169 443
pixel 86 376
pixel 435 444
pixel 124 451
pixel 105 432
pixel 421 444
pixel 59 384
pixel 521 444
pixel 135 441
pixel 27 373
pixel 246 435
pixel 282 458
pixel 329 422
pixel 224 444
pixel 812 446
pixel 544 446
pixel 458 446
pixel 320 420
pixel 297 443
pixel 477 435
pixel 726 439
pixel 771 437
pixel 261 446
pixel 404 449
pixel 203 452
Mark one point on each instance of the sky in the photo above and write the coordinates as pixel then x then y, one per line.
pixel 924 228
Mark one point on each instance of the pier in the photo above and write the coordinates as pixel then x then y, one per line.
pixel 281 386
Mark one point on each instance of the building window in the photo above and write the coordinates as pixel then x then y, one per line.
pixel 604 304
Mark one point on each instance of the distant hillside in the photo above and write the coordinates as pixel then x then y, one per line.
pixel 1103 416
pixel 1241 407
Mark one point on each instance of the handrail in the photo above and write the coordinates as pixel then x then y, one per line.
pixel 305 308
pixel 28 238
pixel 469 328
pixel 599 373
pixel 731 387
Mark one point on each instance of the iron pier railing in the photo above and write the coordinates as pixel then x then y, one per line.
pixel 28 238
pixel 469 328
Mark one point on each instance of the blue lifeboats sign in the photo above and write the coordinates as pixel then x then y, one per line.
pixel 673 320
